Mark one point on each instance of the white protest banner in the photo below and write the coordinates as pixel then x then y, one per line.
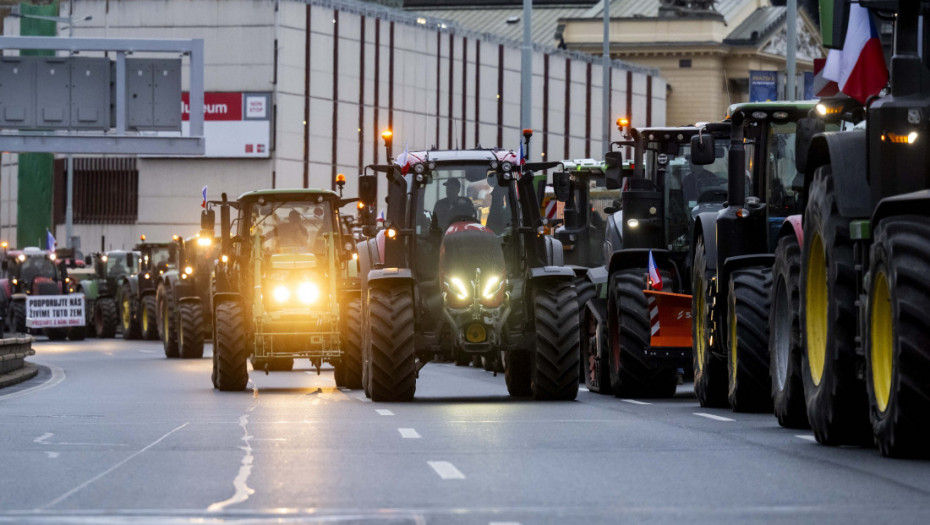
pixel 54 311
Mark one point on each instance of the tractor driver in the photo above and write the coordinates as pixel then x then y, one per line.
pixel 452 206
pixel 290 234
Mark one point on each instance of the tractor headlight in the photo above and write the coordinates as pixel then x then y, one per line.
pixel 506 166
pixel 307 293
pixel 633 223
pixel 204 241
pixel 281 293
pixel 457 286
pixel 188 270
pixel 491 287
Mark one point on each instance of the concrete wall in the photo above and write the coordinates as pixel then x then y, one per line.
pixel 442 95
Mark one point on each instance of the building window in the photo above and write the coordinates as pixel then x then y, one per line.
pixel 106 190
pixel 684 62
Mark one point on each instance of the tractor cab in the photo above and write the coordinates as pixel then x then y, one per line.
pixel 31 271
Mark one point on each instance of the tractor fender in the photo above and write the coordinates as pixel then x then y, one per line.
pixel 389 275
pixel 550 273
pixel 613 234
pixel 705 225
pixel 915 203
pixel 190 299
pixel 792 227
pixel 89 288
pixel 597 309
pixel 18 297
pixel 580 271
pixel 639 258
pixel 765 260
pixel 168 279
pixel 132 281
pixel 368 257
pixel 5 287
pixel 597 275
pixel 845 151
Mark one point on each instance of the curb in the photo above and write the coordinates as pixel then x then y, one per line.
pixel 28 371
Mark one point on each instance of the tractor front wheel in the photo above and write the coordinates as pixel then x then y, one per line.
pixel 149 321
pixel 167 322
pixel 232 373
pixel 785 336
pixel 106 317
pixel 131 329
pixel 393 372
pixel 349 371
pixel 190 330
pixel 555 370
pixel 748 342
pixel 710 370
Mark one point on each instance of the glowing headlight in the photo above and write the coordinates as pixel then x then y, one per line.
pixel 148 276
pixel 281 293
pixel 53 257
pixel 491 287
pixel 224 258
pixel 104 258
pixel 459 288
pixel 204 241
pixel 188 270
pixel 912 137
pixel 633 223
pixel 308 293
pixel 21 258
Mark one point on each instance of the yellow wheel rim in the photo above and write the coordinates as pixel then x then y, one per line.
pixel 127 315
pixel 882 340
pixel 700 340
pixel 145 320
pixel 733 344
pixel 816 307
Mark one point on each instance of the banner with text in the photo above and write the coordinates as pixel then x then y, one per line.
pixel 763 86
pixel 54 311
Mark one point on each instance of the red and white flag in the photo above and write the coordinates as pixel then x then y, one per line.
pixel 859 69
pixel 655 280
pixel 403 160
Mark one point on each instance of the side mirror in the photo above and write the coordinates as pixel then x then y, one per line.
pixel 562 184
pixel 613 175
pixel 208 220
pixel 130 260
pixel 367 197
pixel 807 128
pixel 702 149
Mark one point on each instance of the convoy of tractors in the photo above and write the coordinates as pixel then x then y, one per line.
pixel 779 256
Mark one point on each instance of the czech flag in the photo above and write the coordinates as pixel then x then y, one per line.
pixel 404 160
pixel 520 156
pixel 381 216
pixel 203 193
pixel 50 243
pixel 859 69
pixel 654 279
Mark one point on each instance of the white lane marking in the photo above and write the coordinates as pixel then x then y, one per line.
pixel 43 439
pixel 583 389
pixel 243 491
pixel 51 455
pixel 408 433
pixel 712 416
pixel 446 470
pixel 344 389
pixel 635 402
pixel 148 351
pixel 808 437
pixel 363 399
pixel 66 495
pixel 384 412
pixel 58 375
pixel 503 523
pixel 269 439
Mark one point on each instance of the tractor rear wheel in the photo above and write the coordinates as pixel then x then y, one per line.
pixel 631 373
pixel 149 321
pixel 555 370
pixel 130 323
pixel 785 336
pixel 349 371
pixel 106 317
pixel 896 355
pixel 748 341
pixel 18 317
pixel 710 370
pixel 190 330
pixel 230 347
pixel 167 322
pixel 837 404
pixel 393 354
pixel 594 354
pixel 585 290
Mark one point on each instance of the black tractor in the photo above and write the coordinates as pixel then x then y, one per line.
pixel 462 268
pixel 29 272
pixel 183 296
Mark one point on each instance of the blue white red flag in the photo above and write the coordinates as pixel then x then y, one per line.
pixel 404 160
pixel 381 216
pixel 50 243
pixel 655 280
pixel 859 69
pixel 203 193
pixel 520 156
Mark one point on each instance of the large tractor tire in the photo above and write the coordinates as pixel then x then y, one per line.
pixel 837 404
pixel 555 367
pixel 148 322
pixel 167 322
pixel 130 323
pixel 749 388
pixel 190 330
pixel 349 372
pixel 106 317
pixel 785 336
pixel 710 370
pixel 897 354
pixel 393 373
pixel 585 291
pixel 631 373
pixel 594 351
pixel 90 326
pixel 517 373
pixel 232 373
pixel 77 333
pixel 18 317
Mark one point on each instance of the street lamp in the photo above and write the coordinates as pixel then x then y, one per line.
pixel 69 199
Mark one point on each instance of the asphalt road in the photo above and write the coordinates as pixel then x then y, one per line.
pixel 112 432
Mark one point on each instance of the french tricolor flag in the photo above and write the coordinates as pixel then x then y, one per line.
pixel 859 69
pixel 655 280
pixel 203 194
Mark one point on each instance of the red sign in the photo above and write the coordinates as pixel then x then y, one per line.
pixel 216 106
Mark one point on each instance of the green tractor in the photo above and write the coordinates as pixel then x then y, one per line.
pixel 285 286
pixel 183 297
pixel 137 304
pixel 104 286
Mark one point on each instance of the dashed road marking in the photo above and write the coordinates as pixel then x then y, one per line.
pixel 408 433
pixel 635 402
pixel 712 416
pixel 808 437
pixel 503 523
pixel 384 412
pixel 446 470
pixel 43 439
pixel 51 455
pixel 148 351
pixel 344 389
pixel 583 389
pixel 363 399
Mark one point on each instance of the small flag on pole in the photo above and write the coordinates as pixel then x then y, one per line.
pixel 381 216
pixel 655 280
pixel 404 160
pixel 521 157
pixel 203 193
pixel 50 243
